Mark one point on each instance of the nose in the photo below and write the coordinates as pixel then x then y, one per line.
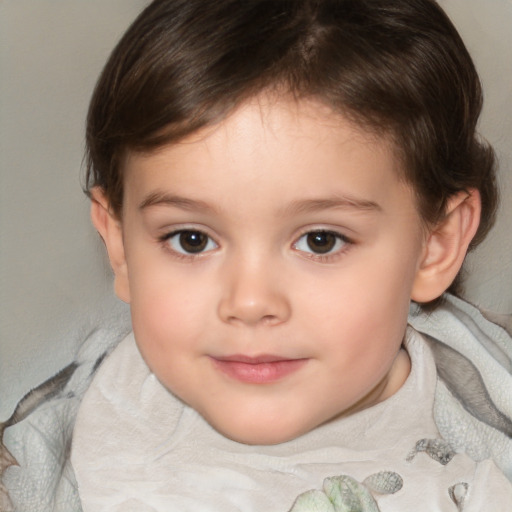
pixel 253 294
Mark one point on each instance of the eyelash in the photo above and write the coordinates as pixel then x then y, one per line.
pixel 326 257
pixel 164 240
pixel 330 255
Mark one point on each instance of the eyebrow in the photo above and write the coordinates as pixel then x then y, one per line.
pixel 295 207
pixel 163 199
pixel 335 202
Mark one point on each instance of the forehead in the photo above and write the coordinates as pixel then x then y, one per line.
pixel 270 113
pixel 291 143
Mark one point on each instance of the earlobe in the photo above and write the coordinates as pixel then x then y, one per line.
pixel 446 246
pixel 109 227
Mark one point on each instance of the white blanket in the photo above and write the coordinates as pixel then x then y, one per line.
pixel 38 434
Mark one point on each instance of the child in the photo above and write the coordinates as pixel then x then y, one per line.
pixel 275 182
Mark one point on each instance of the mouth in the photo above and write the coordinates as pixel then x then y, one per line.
pixel 262 369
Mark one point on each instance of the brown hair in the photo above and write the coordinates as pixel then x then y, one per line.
pixel 396 67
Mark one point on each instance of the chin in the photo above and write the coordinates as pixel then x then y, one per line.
pixel 263 435
pixel 267 439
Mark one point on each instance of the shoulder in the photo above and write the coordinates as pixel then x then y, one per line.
pixel 473 359
pixel 125 403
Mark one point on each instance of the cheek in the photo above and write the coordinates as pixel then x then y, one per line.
pixel 168 331
pixel 168 311
pixel 366 303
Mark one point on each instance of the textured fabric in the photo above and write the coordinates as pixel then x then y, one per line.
pixel 38 434
pixel 136 445
pixel 473 407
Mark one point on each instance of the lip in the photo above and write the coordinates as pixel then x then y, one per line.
pixel 262 369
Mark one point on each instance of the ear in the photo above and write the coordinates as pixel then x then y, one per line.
pixel 446 246
pixel 109 227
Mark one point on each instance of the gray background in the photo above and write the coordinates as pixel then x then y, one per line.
pixel 53 272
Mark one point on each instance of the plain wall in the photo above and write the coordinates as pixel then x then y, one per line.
pixel 53 272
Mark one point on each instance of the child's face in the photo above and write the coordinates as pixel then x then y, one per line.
pixel 270 264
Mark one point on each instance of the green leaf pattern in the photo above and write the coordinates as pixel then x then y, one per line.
pixel 345 494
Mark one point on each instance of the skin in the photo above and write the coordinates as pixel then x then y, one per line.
pixel 250 189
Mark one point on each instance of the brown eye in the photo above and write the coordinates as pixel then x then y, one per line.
pixel 321 242
pixel 188 241
pixel 193 241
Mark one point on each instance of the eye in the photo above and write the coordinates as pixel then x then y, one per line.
pixel 190 242
pixel 321 242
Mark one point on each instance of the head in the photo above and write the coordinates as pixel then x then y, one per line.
pixel 207 97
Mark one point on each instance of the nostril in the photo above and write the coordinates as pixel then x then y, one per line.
pixel 270 319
